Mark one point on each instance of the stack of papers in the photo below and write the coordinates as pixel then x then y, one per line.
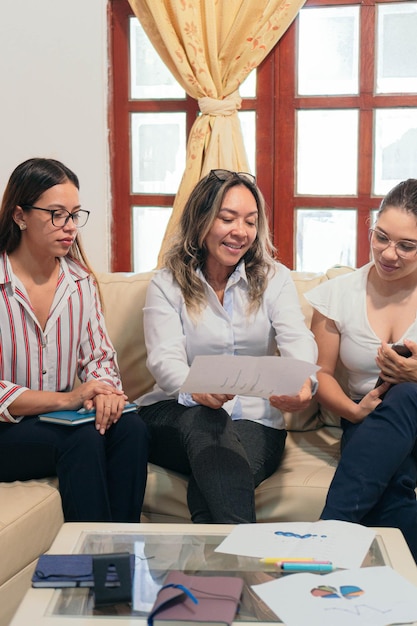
pixel 355 596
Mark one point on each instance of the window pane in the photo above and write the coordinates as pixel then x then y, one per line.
pixel 328 44
pixel 248 88
pixel 327 152
pixel 397 48
pixel 149 76
pixel 149 224
pixel 248 124
pixel 157 151
pixel 395 147
pixel 325 237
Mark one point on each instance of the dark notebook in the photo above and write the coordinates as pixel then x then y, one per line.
pixel 188 599
pixel 70 570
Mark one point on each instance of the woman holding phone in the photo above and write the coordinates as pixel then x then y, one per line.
pixel 360 318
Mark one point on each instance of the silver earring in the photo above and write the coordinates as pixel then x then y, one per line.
pixel 22 226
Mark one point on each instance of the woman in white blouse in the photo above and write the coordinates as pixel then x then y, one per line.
pixel 220 292
pixel 357 318
pixel 52 330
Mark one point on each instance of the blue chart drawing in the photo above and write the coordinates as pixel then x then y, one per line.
pixel 282 533
pixel 345 591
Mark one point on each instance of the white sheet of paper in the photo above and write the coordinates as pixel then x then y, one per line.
pixel 262 376
pixel 343 543
pixel 368 596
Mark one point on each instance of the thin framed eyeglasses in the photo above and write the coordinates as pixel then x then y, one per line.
pixel 380 241
pixel 224 175
pixel 60 217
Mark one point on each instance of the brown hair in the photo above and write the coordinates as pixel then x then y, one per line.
pixel 402 196
pixel 188 252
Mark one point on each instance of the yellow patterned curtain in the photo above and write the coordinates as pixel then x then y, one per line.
pixel 211 46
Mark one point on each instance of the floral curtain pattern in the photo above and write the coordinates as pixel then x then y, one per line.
pixel 211 46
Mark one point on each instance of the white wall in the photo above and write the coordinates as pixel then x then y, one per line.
pixel 53 100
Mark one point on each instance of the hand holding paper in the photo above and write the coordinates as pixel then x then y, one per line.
pixel 263 376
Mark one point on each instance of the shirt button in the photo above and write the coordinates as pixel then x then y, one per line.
pixel 44 372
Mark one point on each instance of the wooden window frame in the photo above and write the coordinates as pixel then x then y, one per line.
pixel 276 104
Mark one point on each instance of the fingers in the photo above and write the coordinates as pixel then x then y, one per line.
pixel 108 410
pixel 412 346
pixel 290 403
pixel 380 390
pixel 213 401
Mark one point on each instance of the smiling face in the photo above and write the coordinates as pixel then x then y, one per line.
pixel 39 234
pixel 233 231
pixel 398 225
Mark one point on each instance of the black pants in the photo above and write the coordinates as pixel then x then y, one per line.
pixel 225 459
pixel 101 477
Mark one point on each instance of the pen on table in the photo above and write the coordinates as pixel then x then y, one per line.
pixel 286 559
pixel 320 568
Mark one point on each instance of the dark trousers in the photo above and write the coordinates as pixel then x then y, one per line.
pixel 101 477
pixel 375 480
pixel 225 459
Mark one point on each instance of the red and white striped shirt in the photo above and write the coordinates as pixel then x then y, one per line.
pixel 74 343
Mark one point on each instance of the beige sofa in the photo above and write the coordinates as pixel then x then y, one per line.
pixel 30 512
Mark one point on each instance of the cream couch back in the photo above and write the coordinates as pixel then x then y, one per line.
pixel 123 301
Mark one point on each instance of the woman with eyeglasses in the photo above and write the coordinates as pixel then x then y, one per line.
pixel 52 330
pixel 220 292
pixel 360 318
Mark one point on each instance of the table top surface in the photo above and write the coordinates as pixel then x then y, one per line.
pixel 174 545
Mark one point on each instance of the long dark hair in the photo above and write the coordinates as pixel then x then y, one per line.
pixel 26 184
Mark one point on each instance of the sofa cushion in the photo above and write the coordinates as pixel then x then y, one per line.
pixel 123 300
pixel 298 490
pixel 30 517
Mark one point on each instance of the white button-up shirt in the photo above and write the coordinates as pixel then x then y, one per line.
pixel 174 338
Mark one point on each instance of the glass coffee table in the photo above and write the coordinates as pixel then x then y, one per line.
pixel 165 547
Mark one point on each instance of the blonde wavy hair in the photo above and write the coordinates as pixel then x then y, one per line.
pixel 187 252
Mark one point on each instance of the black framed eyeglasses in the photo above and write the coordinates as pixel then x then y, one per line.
pixel 224 175
pixel 60 217
pixel 380 241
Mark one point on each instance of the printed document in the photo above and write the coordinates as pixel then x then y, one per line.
pixel 262 376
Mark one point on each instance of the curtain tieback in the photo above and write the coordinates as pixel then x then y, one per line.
pixel 229 105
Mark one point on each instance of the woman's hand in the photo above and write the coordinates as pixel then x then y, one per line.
pixel 293 403
pixel 369 403
pixel 109 408
pixel 83 395
pixel 106 399
pixel 212 400
pixel 395 368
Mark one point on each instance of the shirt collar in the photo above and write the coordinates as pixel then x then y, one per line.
pixel 239 273
pixel 71 268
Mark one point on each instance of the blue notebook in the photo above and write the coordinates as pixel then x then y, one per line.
pixel 71 570
pixel 74 418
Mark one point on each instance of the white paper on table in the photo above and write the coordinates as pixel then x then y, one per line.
pixel 262 376
pixel 368 596
pixel 343 543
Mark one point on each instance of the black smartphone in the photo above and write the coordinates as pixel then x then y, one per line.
pixel 402 351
